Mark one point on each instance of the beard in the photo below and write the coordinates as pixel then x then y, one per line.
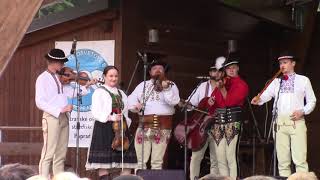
pixel 156 75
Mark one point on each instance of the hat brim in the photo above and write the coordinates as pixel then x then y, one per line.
pixel 230 63
pixel 287 57
pixel 163 64
pixel 58 60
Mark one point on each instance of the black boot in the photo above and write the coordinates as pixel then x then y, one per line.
pixel 105 177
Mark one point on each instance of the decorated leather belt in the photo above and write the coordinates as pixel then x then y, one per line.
pixel 156 121
pixel 227 115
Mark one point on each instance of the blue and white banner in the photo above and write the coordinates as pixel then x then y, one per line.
pixel 93 57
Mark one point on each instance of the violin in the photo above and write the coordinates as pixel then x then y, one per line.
pixel 158 85
pixel 119 135
pixel 67 75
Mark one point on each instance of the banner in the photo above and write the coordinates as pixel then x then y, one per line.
pixel 93 57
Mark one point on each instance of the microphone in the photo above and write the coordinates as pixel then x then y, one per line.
pixel 74 46
pixel 203 77
pixel 139 54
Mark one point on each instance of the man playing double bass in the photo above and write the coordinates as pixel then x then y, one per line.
pixel 205 90
pixel 229 97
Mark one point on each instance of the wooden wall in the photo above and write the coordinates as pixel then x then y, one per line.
pixel 312 65
pixel 17 92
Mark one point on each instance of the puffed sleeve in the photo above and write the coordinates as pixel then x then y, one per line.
pixel 101 107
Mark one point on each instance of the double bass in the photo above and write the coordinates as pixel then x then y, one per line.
pixel 197 125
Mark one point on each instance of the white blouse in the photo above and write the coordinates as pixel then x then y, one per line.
pixel 101 107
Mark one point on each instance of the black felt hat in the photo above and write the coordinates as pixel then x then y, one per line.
pixel 287 55
pixel 56 55
pixel 165 66
pixel 233 58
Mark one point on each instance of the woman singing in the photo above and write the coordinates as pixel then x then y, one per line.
pixel 109 107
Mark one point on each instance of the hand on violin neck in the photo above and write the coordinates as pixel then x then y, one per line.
pixel 138 107
pixel 115 117
pixel 91 82
pixel 67 108
pixel 256 100
pixel 211 101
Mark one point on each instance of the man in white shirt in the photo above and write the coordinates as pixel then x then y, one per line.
pixel 51 97
pixel 160 99
pixel 205 90
pixel 290 92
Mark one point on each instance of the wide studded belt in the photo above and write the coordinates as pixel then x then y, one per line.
pixel 227 115
pixel 156 121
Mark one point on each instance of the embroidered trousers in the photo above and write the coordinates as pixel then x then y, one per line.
pixel 227 139
pixel 155 144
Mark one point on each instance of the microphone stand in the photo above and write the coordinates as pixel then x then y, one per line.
pixel 185 110
pixel 132 76
pixel 274 126
pixel 145 66
pixel 256 130
pixel 79 101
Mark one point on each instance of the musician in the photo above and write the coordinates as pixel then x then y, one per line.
pixel 205 90
pixel 229 99
pixel 51 97
pixel 294 98
pixel 158 111
pixel 109 105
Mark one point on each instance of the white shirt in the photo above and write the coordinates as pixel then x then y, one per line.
pixel 160 103
pixel 51 96
pixel 201 93
pixel 292 95
pixel 101 107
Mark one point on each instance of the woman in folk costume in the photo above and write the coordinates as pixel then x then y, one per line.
pixel 109 107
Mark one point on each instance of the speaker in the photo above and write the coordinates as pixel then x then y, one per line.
pixel 168 174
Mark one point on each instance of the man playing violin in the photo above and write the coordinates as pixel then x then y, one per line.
pixel 294 98
pixel 205 90
pixel 161 95
pixel 51 97
pixel 229 97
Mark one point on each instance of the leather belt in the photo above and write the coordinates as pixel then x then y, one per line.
pixel 227 115
pixel 156 121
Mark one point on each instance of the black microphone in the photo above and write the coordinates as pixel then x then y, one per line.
pixel 203 77
pixel 74 46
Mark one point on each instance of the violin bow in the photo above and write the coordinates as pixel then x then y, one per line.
pixel 269 82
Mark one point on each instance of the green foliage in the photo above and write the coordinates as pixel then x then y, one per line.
pixel 55 7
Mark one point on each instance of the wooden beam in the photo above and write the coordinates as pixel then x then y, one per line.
pixel 267 11
pixel 16 148
pixel 15 18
